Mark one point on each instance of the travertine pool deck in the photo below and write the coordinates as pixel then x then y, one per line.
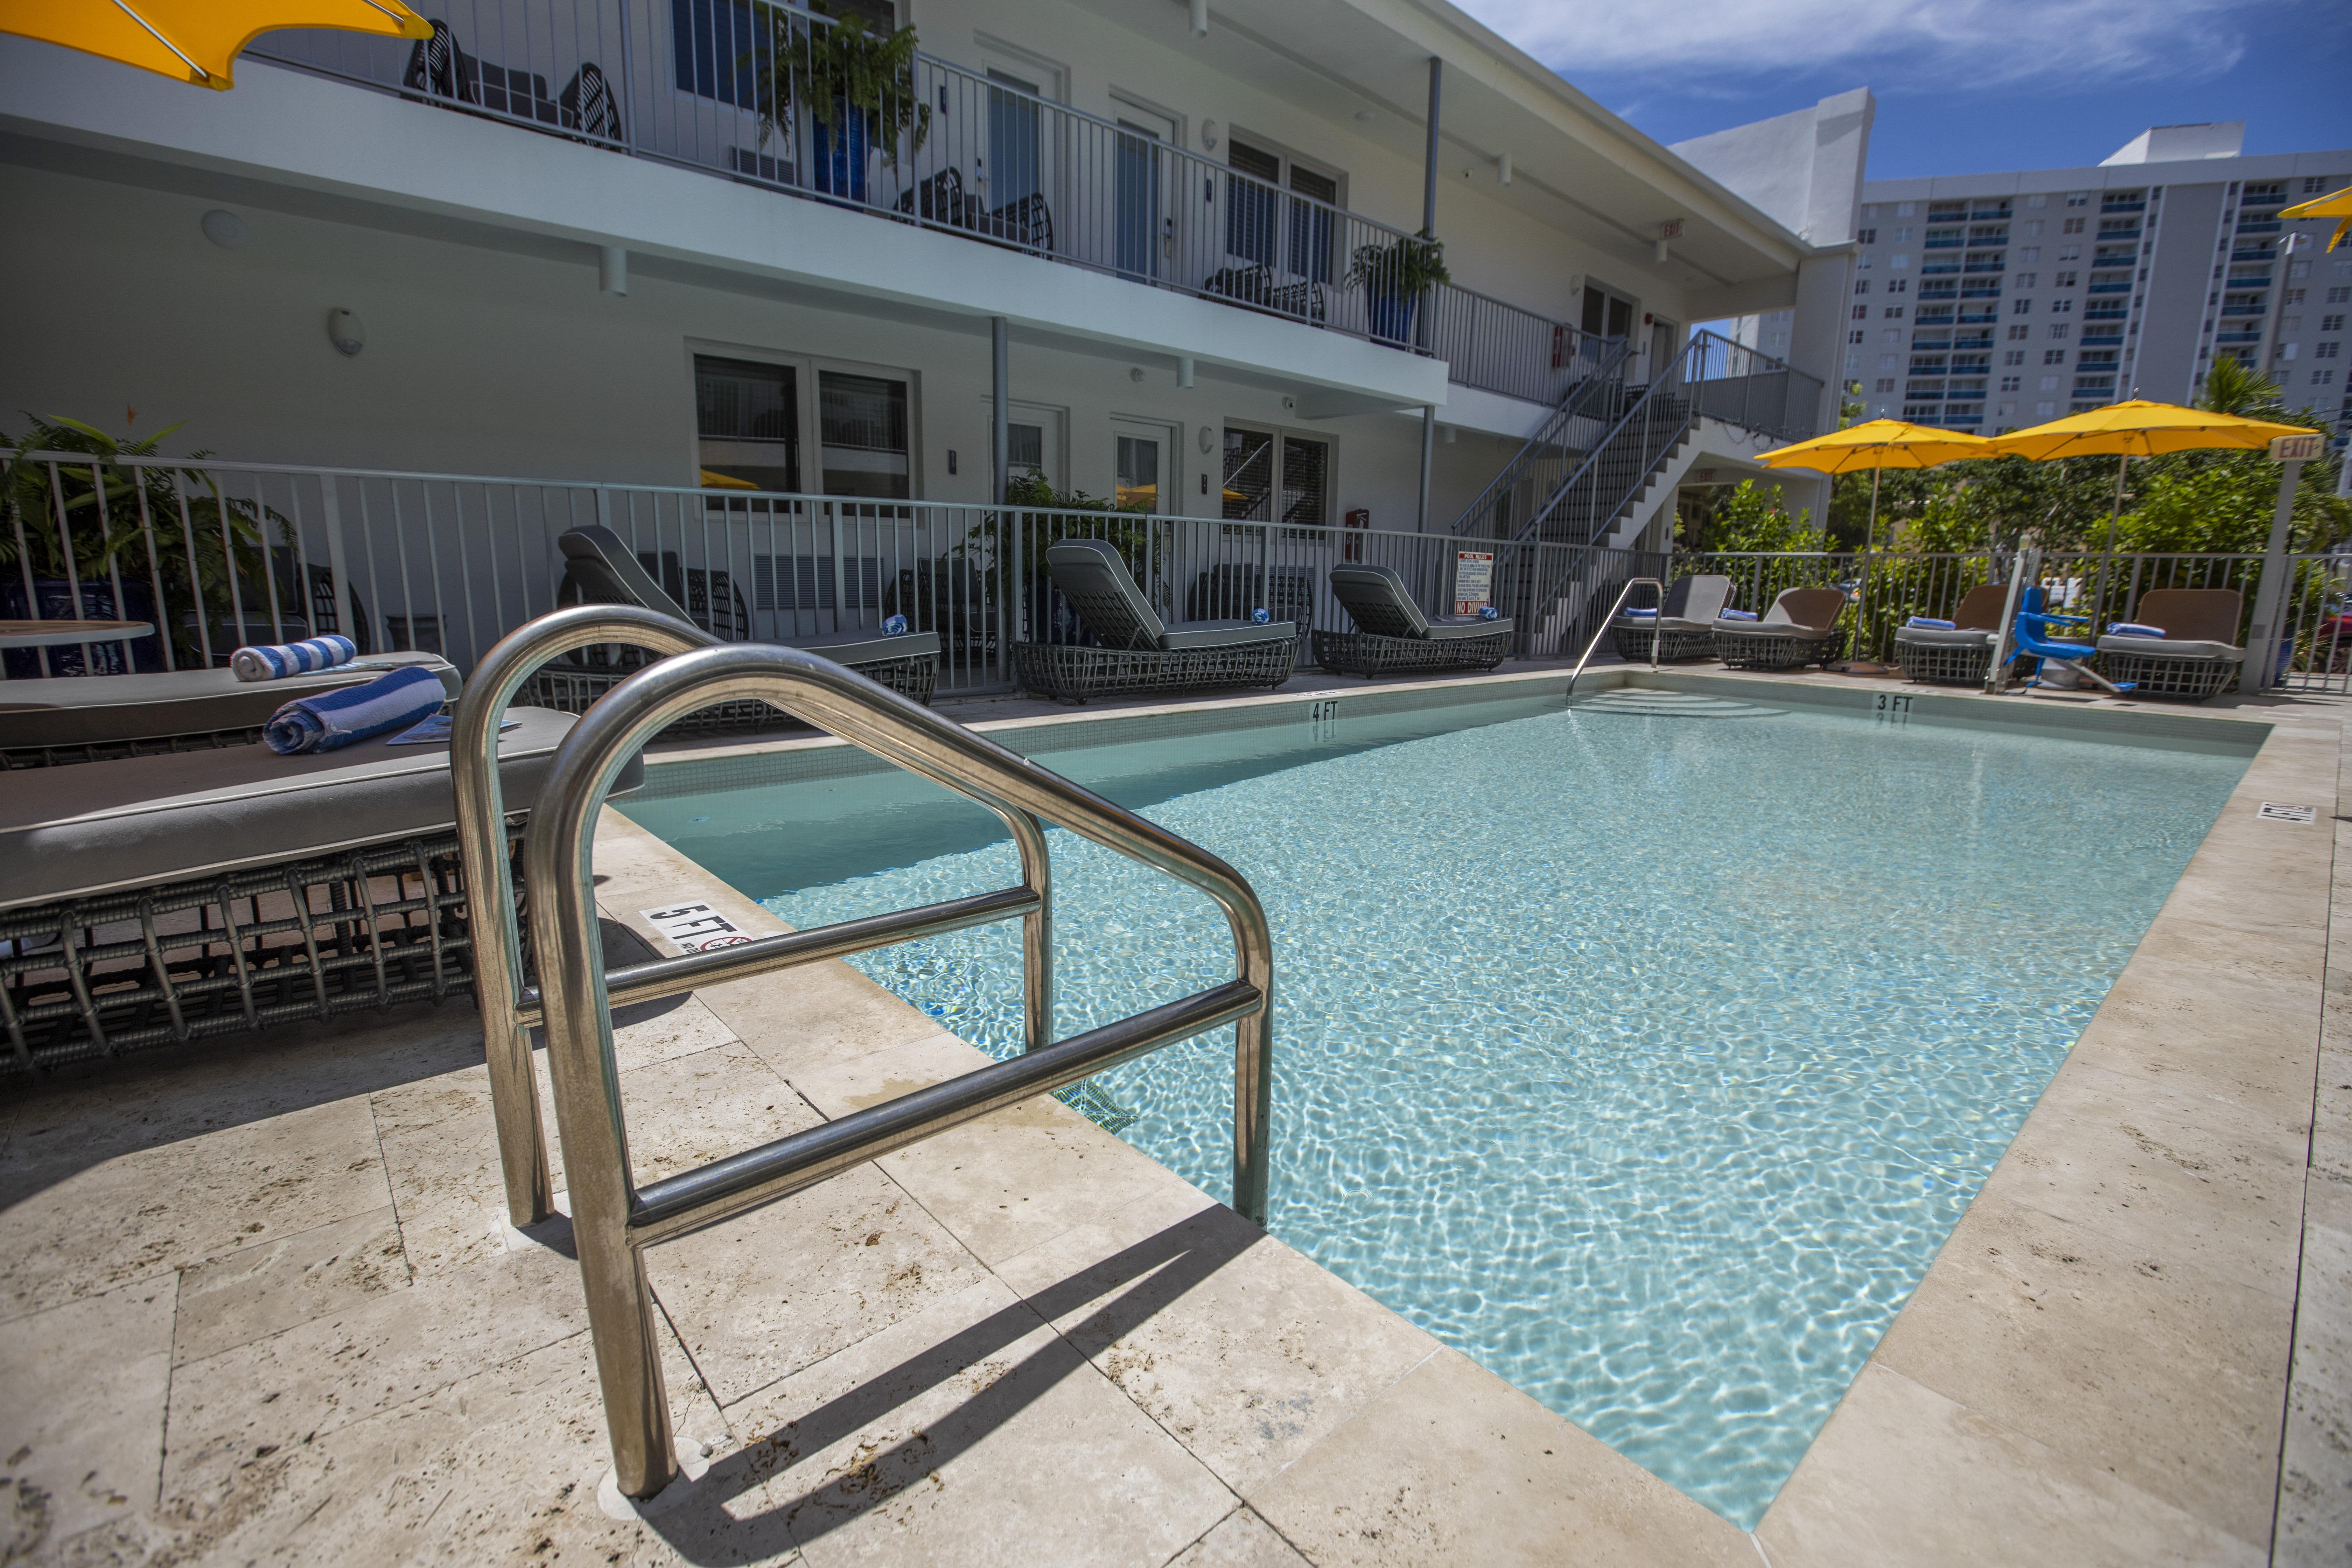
pixel 258 1304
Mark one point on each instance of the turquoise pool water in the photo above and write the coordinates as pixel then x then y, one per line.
pixel 1649 1060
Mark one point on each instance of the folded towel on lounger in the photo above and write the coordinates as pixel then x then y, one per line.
pixel 2133 629
pixel 1649 614
pixel 338 718
pixel 272 661
pixel 1929 623
pixel 1737 615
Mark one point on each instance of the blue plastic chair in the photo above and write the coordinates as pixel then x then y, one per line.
pixel 2031 631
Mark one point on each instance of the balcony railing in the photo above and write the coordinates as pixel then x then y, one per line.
pixel 723 87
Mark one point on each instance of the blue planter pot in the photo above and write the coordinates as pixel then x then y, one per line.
pixel 840 154
pixel 1390 317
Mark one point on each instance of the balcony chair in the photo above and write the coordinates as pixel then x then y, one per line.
pixel 1800 628
pixel 1961 655
pixel 1683 627
pixel 600 569
pixel 2197 654
pixel 1138 651
pixel 1392 634
pixel 155 901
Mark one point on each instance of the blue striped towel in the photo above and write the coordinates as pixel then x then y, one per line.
pixel 2133 629
pixel 1648 615
pixel 276 660
pixel 338 718
pixel 1931 624
pixel 1737 615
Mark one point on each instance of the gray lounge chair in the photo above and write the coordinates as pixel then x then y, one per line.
pixel 158 900
pixel 85 719
pixel 1139 652
pixel 1685 624
pixel 1800 628
pixel 1958 657
pixel 600 569
pixel 2197 657
pixel 1392 634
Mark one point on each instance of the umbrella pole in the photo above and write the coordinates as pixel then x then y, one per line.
pixel 2107 561
pixel 1854 663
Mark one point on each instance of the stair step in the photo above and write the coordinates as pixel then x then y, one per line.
pixel 1654 704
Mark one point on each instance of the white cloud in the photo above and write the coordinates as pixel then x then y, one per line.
pixel 1962 43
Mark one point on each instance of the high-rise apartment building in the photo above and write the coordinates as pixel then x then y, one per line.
pixel 1990 302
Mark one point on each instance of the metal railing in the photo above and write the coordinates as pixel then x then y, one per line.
pixel 739 91
pixel 613 1219
pixel 1616 607
pixel 1587 411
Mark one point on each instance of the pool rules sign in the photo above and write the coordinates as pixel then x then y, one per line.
pixel 1474 581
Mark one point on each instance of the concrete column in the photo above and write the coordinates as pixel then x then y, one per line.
pixel 1428 455
pixel 1000 434
pixel 1429 305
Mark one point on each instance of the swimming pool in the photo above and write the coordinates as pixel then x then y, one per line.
pixel 1647 1059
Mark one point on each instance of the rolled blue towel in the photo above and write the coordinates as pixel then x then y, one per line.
pixel 1260 616
pixel 1648 615
pixel 2133 629
pixel 334 718
pixel 1737 615
pixel 895 626
pixel 274 661
pixel 1931 624
pixel 1488 613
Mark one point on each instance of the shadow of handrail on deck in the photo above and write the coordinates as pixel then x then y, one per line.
pixel 1159 1269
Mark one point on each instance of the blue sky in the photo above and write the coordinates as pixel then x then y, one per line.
pixel 1956 95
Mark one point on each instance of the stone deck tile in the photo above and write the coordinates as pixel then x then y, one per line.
pixel 255 1291
pixel 82 1387
pixel 1240 1539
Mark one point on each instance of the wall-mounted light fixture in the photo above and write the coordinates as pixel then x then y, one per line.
pixel 1503 170
pixel 612 271
pixel 1208 135
pixel 345 331
pixel 224 228
pixel 1199 18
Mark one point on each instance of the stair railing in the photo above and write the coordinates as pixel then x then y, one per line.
pixel 613 1218
pixel 1591 399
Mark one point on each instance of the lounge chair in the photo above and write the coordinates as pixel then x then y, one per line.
pixel 2197 655
pixel 158 900
pixel 1800 628
pixel 85 719
pixel 1684 625
pixel 1392 633
pixel 600 569
pixel 1958 657
pixel 1138 651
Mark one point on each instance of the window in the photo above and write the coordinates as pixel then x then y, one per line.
pixel 2053 356
pixel 1893 312
pixel 1863 286
pixel 1905 209
pixel 2069 253
pixel 1857 335
pixel 1136 479
pixel 2325 351
pixel 1272 477
pixel 747 419
pixel 1890 362
pixel 2063 280
pixel 1866 236
pixel 2017 334
pixel 1886 384
pixel 2058 330
pixel 2021 307
pixel 2294 296
pixel 2290 323
pixel 1893 337
pixel 1862 264
pixel 2009 383
pixel 1264 228
pixel 1899 261
pixel 2014 356
pixel 2061 307
pixel 2044 410
pixel 861 433
pixel 2313 184
pixel 2041 201
pixel 2073 225
pixel 2331 324
pixel 2049 384
pixel 2078 199
pixel 1862 313
pixel 2323 378
pixel 1898 285
pixel 2339 296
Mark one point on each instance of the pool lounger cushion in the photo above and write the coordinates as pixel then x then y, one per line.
pixel 1394 634
pixel 1140 652
pixel 94 718
pixel 138 821
pixel 1958 657
pixel 1685 624
pixel 1800 628
pixel 2194 659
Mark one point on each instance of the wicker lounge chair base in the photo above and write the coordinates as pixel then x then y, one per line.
pixel 1368 654
pixel 95 977
pixel 109 750
pixel 1068 673
pixel 1939 665
pixel 1634 644
pixel 2185 679
pixel 1777 652
pixel 571 690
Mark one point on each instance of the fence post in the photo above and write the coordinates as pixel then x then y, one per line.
pixel 2270 592
pixel 346 595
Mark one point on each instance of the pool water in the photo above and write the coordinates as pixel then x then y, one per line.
pixel 1649 1060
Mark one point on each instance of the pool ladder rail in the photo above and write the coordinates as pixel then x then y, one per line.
pixel 613 1218
pixel 1606 621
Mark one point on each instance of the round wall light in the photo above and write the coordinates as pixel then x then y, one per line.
pixel 345 331
pixel 224 228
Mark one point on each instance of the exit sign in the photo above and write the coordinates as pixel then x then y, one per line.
pixel 2297 448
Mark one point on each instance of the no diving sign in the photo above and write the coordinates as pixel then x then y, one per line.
pixel 696 928
pixel 2272 811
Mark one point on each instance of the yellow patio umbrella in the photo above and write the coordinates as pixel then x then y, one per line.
pixel 2336 205
pixel 194 40
pixel 712 481
pixel 2137 427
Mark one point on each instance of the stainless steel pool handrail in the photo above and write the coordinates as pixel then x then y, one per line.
pixel 612 1219
pixel 1630 583
pixel 510 1007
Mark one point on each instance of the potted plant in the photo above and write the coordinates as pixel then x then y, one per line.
pixel 858 87
pixel 1395 276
